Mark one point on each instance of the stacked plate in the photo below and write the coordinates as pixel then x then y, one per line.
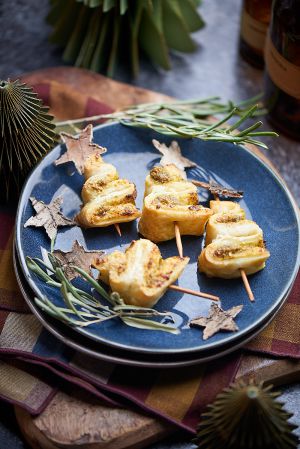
pixel 266 200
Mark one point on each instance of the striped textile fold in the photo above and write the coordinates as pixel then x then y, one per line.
pixel 19 387
pixel 27 350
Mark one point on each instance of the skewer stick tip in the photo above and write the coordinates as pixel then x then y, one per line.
pixel 118 229
pixel 247 286
pixel 178 240
pixel 194 292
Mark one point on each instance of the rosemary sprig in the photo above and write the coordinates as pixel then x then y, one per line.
pixel 82 309
pixel 187 119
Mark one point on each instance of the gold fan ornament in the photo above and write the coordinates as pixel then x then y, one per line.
pixel 27 133
pixel 246 416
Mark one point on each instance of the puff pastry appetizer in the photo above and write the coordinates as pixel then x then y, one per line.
pixel 233 243
pixel 107 199
pixel 170 198
pixel 140 275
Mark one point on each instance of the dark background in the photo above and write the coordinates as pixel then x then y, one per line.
pixel 214 69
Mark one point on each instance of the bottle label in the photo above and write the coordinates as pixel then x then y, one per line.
pixel 253 32
pixel 283 73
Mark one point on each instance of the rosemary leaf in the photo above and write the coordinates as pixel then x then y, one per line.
pixel 191 118
pixel 36 269
pixel 249 129
pixel 102 310
pixel 220 122
pixel 149 325
pixel 68 298
pixel 89 310
pixel 41 262
pixel 248 113
pixel 54 311
pixel 94 283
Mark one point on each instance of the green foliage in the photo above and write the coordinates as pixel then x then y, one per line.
pixel 96 34
pixel 187 119
pixel 246 416
pixel 87 308
pixel 26 134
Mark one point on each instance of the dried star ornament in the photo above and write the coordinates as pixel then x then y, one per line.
pixel 79 149
pixel 48 216
pixel 217 189
pixel 79 257
pixel 172 155
pixel 217 320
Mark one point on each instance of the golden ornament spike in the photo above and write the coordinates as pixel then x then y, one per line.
pixel 194 292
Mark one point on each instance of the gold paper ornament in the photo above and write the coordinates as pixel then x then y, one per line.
pixel 246 416
pixel 26 135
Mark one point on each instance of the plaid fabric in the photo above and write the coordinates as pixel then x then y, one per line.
pixel 282 336
pixel 28 351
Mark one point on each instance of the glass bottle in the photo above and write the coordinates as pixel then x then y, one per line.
pixel 255 19
pixel 282 67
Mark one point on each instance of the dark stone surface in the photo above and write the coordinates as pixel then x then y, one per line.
pixel 215 68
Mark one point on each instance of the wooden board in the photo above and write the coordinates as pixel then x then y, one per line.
pixel 73 422
pixel 81 422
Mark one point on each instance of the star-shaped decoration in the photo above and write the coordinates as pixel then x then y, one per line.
pixel 48 216
pixel 78 256
pixel 219 190
pixel 79 149
pixel 217 320
pixel 172 155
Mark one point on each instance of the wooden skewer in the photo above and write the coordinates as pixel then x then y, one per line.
pixel 243 274
pixel 178 240
pixel 116 225
pixel 247 285
pixel 193 292
pixel 187 290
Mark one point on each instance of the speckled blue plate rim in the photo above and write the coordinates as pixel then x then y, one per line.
pixel 215 344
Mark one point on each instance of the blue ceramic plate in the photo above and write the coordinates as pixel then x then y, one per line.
pixel 106 353
pixel 266 200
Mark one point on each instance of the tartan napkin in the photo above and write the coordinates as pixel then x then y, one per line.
pixel 34 364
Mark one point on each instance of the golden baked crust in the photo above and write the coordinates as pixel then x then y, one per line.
pixel 162 176
pixel 107 199
pixel 140 275
pixel 169 198
pixel 225 257
pixel 229 224
pixel 225 206
pixel 232 243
